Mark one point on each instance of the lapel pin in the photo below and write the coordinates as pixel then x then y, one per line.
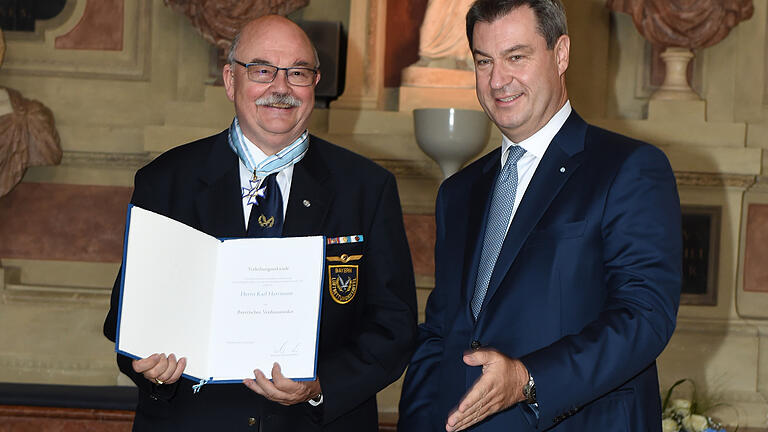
pixel 306 203
pixel 562 169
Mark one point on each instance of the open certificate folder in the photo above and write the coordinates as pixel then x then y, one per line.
pixel 228 306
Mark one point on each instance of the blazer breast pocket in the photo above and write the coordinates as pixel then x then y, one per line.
pixel 557 232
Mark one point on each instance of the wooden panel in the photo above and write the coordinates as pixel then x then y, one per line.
pixel 15 418
pixel 47 419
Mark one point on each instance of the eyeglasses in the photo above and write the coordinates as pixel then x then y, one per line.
pixel 266 73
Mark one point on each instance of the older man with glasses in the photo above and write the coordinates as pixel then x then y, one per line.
pixel 266 176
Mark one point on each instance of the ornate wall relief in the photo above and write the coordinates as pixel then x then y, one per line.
pixel 680 27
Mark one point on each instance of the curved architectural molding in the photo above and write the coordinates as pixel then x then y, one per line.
pixel 86 57
pixel 410 168
pixel 99 28
pixel 714 180
pixel 84 367
pixel 104 159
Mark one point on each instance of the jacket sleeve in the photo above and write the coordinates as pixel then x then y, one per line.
pixel 385 342
pixel 642 258
pixel 420 388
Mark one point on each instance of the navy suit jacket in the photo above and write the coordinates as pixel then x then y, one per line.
pixel 585 290
pixel 364 344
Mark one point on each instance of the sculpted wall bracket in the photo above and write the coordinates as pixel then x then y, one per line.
pixel 27 135
pixel 682 26
pixel 218 21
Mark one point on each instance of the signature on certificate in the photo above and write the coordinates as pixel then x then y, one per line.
pixel 287 348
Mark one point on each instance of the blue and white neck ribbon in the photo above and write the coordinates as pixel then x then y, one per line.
pixel 272 164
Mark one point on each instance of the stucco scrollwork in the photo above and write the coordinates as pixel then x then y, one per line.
pixel 684 23
pixel 682 26
pixel 27 135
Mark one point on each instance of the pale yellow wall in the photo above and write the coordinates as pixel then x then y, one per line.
pixel 103 103
pixel 121 108
pixel 325 10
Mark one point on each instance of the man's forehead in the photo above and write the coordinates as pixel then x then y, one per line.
pixel 518 29
pixel 273 60
pixel 288 46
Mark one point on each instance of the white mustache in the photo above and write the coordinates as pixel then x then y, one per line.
pixel 278 99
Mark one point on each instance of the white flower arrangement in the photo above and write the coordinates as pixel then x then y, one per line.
pixel 688 415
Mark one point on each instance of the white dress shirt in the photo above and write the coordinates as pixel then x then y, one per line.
pixel 534 146
pixel 284 179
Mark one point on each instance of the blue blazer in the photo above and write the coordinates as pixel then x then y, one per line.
pixel 585 290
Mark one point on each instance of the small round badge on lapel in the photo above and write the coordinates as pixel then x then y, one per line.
pixel 562 169
pixel 306 203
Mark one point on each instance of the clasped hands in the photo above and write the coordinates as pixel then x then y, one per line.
pixel 162 369
pixel 498 388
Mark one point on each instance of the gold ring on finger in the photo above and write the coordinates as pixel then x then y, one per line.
pixel 159 381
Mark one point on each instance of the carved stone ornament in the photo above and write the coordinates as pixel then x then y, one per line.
pixel 220 20
pixel 682 26
pixel 27 135
pixel 442 35
pixel 689 24
pixel 445 59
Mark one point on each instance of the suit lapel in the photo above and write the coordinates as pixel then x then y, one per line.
pixel 565 151
pixel 309 200
pixel 219 205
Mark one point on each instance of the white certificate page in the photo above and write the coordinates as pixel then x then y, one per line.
pixel 229 306
pixel 266 307
pixel 169 271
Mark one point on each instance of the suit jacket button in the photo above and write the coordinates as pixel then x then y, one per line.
pixel 251 421
pixel 475 345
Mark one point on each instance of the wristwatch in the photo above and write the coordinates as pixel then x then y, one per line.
pixel 315 401
pixel 529 391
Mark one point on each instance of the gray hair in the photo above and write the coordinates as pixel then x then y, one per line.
pixel 550 16
pixel 233 49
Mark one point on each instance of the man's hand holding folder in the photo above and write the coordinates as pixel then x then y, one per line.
pixel 161 369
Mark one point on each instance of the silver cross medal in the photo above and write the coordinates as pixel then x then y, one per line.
pixel 255 191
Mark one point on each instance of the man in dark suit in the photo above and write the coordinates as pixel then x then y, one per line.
pixel 557 263
pixel 266 177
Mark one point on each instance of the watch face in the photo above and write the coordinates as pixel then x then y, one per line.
pixel 529 391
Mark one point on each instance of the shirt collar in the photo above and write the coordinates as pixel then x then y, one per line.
pixel 537 143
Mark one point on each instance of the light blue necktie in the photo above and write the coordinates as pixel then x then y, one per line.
pixel 502 204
